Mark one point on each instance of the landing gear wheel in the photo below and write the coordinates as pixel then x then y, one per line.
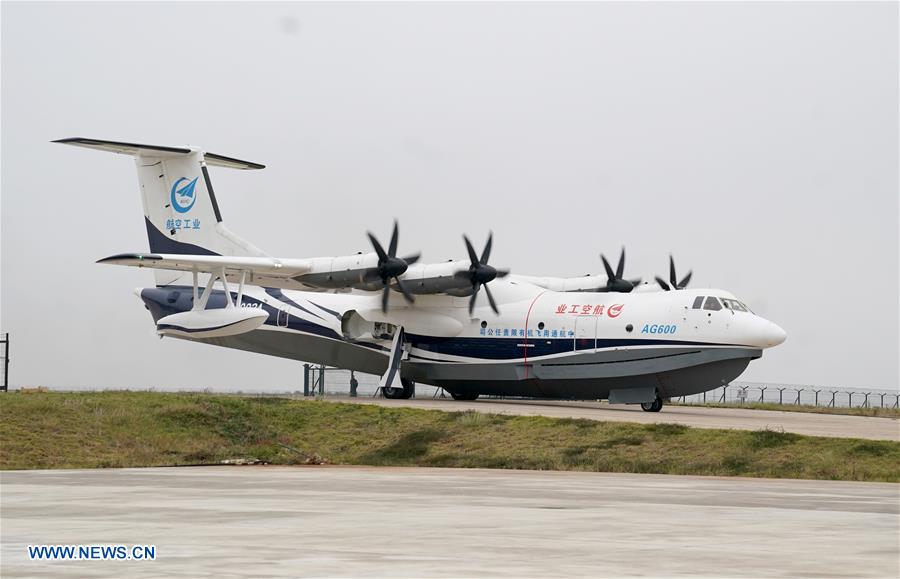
pixel 465 396
pixel 404 393
pixel 654 406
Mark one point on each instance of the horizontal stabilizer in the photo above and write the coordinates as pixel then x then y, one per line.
pixel 135 149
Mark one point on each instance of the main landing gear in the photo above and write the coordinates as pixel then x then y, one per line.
pixel 405 392
pixel 654 406
pixel 464 396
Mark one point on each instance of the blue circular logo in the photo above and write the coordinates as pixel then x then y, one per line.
pixel 183 197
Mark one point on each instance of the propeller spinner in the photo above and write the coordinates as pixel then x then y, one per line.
pixel 673 279
pixel 390 267
pixel 480 273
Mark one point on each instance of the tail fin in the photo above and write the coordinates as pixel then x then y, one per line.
pixel 180 208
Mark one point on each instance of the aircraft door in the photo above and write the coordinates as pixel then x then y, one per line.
pixel 586 333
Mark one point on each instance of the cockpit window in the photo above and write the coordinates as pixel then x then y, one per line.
pixel 734 305
pixel 712 304
pixel 698 302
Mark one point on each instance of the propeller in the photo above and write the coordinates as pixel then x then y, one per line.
pixel 615 282
pixel 673 279
pixel 480 273
pixel 390 267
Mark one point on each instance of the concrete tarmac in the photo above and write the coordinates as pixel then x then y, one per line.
pixel 420 522
pixel 833 425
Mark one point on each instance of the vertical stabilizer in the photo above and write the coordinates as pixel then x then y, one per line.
pixel 181 212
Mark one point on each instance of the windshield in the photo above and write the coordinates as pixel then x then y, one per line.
pixel 735 305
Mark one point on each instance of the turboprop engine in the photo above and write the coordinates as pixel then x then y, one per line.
pixel 211 323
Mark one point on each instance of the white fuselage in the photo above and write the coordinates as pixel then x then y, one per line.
pixel 540 336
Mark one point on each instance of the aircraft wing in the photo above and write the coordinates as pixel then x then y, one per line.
pixel 267 271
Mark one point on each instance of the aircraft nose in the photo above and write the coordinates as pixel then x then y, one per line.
pixel 773 335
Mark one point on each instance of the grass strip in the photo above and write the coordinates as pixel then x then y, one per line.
pixel 136 429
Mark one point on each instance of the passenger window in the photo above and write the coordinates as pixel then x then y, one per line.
pixel 698 301
pixel 712 304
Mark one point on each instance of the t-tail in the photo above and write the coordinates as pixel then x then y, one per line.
pixel 180 208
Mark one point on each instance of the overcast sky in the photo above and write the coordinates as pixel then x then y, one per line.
pixel 757 142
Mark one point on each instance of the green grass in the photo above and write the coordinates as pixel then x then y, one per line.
pixel 129 429
pixel 854 411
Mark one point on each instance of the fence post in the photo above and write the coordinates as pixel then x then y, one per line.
pixel 5 387
pixel 817 396
pixel 850 399
pixel 724 390
pixel 762 394
pixel 866 401
pixel 833 394
pixel 321 379
pixel 306 379
pixel 781 395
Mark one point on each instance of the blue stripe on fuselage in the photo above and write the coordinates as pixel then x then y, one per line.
pixel 492 348
pixel 164 301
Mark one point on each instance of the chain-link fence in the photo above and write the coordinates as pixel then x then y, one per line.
pixel 741 393
pixel 323 381
pixel 337 382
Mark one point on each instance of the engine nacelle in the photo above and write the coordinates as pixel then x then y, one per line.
pixel 339 272
pixel 433 278
pixel 211 323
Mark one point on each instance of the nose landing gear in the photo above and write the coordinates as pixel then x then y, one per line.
pixel 654 406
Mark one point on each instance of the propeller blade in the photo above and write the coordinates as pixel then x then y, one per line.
pixel 662 283
pixel 474 296
pixel 620 269
pixel 502 272
pixel 609 272
pixel 672 277
pixel 412 259
pixel 487 290
pixel 409 297
pixel 392 248
pixel 382 256
pixel 385 294
pixel 685 281
pixel 486 254
pixel 635 282
pixel 473 257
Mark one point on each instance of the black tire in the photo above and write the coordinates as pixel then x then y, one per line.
pixel 464 396
pixel 403 393
pixel 654 406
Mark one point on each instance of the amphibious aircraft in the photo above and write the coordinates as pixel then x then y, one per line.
pixel 461 325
